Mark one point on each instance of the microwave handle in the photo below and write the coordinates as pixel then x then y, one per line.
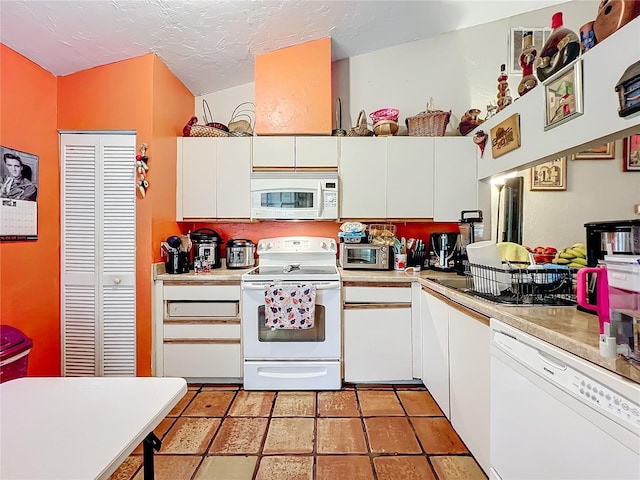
pixel 320 199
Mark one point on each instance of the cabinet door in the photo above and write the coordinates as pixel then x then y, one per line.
pixel 196 188
pixel 455 179
pixel 363 178
pixel 273 152
pixel 377 345
pixel 469 362
pixel 317 152
pixel 409 177
pixel 233 177
pixel 435 349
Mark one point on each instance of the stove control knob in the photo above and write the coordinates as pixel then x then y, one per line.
pixel 323 245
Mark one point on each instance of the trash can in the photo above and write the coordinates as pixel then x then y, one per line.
pixel 14 353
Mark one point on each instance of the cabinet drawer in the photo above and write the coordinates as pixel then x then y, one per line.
pixel 202 292
pixel 377 294
pixel 201 331
pixel 202 309
pixel 202 360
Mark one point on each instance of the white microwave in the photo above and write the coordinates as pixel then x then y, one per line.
pixel 294 196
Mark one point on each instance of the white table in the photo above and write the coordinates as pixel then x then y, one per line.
pixel 80 428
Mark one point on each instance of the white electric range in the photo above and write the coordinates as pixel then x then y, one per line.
pixel 293 359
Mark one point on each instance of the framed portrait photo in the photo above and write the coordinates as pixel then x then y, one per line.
pixel 631 153
pixel 563 95
pixel 602 152
pixel 549 175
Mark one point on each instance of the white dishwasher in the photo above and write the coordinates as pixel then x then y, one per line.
pixel 555 416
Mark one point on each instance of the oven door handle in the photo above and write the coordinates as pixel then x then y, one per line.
pixel 318 285
pixel 292 375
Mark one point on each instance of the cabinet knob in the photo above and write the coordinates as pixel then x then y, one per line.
pixel 117 280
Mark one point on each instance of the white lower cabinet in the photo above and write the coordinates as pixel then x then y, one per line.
pixel 469 385
pixel 197 331
pixel 377 333
pixel 455 369
pixel 434 314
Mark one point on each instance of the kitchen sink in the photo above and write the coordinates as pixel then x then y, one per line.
pixel 518 295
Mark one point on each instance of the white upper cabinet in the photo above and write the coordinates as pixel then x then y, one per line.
pixel 317 152
pixel 196 187
pixel 455 187
pixel 295 152
pixel 386 177
pixel 410 177
pixel 363 182
pixel 274 152
pixel 233 177
pixel 213 178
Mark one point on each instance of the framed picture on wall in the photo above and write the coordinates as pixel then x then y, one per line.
pixel 18 195
pixel 631 153
pixel 540 36
pixel 549 175
pixel 563 95
pixel 602 152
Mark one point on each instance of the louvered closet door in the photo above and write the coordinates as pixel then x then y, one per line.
pixel 98 254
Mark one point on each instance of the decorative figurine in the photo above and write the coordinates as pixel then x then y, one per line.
pixel 504 98
pixel 142 168
pixel 561 48
pixel 492 109
pixel 587 36
pixel 480 139
pixel 526 60
pixel 469 121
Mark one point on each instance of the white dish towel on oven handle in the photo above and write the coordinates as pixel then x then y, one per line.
pixel 289 306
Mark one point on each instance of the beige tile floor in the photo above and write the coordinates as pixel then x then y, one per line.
pixel 362 432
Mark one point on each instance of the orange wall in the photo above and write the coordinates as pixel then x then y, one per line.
pixel 293 90
pixel 30 271
pixel 123 96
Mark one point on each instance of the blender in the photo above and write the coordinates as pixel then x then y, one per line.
pixel 471 231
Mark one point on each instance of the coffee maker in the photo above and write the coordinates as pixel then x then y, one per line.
pixel 471 231
pixel 444 250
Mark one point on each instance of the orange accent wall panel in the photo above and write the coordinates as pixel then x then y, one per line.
pixel 142 95
pixel 293 90
pixel 30 270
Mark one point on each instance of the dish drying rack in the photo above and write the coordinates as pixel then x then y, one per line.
pixel 518 283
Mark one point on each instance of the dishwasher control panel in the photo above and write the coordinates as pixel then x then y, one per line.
pixel 603 398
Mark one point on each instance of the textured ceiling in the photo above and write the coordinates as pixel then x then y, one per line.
pixel 211 44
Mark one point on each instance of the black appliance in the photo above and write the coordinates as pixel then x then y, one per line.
pixel 471 230
pixel 444 250
pixel 619 236
pixel 205 249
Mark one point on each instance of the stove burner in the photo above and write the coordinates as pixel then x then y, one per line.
pixel 291 267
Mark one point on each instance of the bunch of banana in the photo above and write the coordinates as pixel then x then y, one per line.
pixel 573 257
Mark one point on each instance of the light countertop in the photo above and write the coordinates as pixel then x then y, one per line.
pixel 565 327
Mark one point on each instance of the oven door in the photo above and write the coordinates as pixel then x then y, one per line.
pixel 320 342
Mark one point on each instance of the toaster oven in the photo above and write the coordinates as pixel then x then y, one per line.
pixel 366 256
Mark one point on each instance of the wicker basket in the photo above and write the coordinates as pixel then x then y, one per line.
pixel 430 123
pixel 242 120
pixel 385 114
pixel 385 128
pixel 191 129
pixel 361 129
